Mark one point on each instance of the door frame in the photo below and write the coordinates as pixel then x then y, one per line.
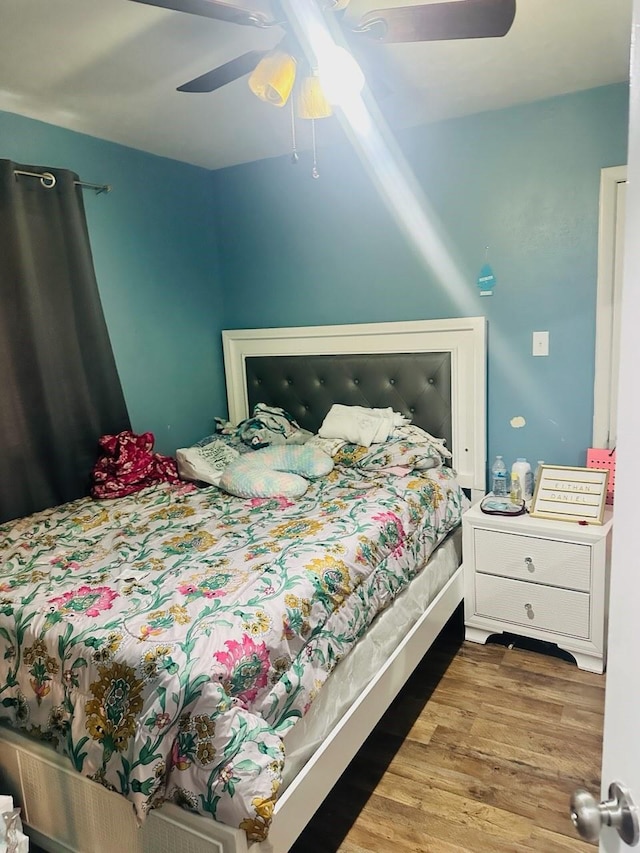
pixel 610 178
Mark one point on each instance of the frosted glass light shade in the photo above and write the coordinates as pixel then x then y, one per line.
pixel 273 77
pixel 312 102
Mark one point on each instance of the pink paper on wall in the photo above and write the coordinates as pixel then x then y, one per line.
pixel 604 460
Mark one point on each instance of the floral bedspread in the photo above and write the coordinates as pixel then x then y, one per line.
pixel 166 641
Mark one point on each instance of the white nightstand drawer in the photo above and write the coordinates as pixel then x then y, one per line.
pixel 562 611
pixel 565 564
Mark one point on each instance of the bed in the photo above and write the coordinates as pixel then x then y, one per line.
pixel 433 371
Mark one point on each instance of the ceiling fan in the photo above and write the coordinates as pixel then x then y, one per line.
pixel 273 72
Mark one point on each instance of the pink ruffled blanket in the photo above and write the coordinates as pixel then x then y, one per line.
pixel 127 464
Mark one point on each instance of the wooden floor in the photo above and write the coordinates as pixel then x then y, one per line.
pixel 479 754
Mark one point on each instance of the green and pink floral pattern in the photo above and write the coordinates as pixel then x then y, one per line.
pixel 167 641
pixel 85 600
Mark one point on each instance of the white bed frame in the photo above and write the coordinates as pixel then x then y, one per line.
pixel 65 812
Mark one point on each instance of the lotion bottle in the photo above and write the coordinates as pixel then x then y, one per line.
pixel 515 495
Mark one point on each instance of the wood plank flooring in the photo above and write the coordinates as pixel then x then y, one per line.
pixel 479 754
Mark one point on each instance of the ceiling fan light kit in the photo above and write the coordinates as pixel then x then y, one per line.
pixel 273 77
pixel 312 102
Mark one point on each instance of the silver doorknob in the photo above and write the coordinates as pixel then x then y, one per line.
pixel 619 811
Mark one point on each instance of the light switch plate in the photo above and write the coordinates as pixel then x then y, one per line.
pixel 540 343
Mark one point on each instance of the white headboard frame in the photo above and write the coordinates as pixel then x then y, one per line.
pixel 464 338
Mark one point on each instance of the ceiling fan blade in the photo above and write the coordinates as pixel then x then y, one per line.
pixel 462 19
pixel 217 9
pixel 224 74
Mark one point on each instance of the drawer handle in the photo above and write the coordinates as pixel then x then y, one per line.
pixel 529 564
pixel 530 613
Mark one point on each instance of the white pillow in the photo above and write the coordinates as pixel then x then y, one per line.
pixel 205 463
pixel 359 425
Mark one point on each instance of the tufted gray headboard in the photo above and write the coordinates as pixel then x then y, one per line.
pixel 431 370
pixel 416 384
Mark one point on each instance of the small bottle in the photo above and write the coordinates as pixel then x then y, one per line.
pixel 499 478
pixel 522 468
pixel 516 489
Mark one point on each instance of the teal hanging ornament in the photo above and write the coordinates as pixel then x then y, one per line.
pixel 486 279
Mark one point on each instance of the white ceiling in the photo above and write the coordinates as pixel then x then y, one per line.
pixel 110 68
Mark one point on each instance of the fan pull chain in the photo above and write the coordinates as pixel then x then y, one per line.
pixel 294 149
pixel 314 171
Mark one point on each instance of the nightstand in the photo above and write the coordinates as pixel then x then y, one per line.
pixel 538 578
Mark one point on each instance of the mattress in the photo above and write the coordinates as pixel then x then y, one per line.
pixel 169 641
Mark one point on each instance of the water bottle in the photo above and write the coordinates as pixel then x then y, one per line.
pixel 522 468
pixel 499 477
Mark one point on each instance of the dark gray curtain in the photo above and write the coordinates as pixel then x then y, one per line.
pixel 60 389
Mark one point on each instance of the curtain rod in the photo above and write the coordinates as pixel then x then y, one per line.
pixel 49 181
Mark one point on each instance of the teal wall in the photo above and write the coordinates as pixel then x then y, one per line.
pixel 294 251
pixel 523 181
pixel 155 259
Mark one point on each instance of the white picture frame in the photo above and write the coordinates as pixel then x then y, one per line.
pixel 565 493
